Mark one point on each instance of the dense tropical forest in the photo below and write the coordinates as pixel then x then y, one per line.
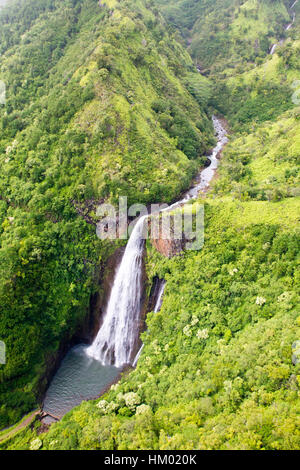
pixel 104 100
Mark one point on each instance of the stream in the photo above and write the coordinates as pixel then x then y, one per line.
pixel 287 28
pixel 87 370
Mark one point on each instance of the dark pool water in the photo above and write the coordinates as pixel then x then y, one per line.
pixel 79 378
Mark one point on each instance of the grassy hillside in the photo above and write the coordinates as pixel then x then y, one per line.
pixel 97 106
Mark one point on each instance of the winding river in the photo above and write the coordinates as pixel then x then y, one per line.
pixel 86 371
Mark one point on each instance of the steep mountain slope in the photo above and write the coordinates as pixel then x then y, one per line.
pixel 97 106
pixel 217 371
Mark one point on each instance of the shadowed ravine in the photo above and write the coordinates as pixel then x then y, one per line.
pixel 86 371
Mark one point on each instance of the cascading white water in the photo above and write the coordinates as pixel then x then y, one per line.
pixel 288 27
pixel 273 48
pixel 117 337
pixel 115 342
pixel 157 308
pixel 294 4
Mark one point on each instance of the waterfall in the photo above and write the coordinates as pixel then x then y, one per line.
pixel 288 27
pixel 160 297
pixel 117 337
pixel 156 310
pixel 273 48
pixel 138 356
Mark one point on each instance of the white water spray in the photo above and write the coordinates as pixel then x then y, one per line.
pixel 273 48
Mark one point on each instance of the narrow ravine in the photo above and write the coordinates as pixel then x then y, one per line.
pixel 157 308
pixel 86 371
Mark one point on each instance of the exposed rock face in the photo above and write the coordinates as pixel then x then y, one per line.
pixel 165 241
